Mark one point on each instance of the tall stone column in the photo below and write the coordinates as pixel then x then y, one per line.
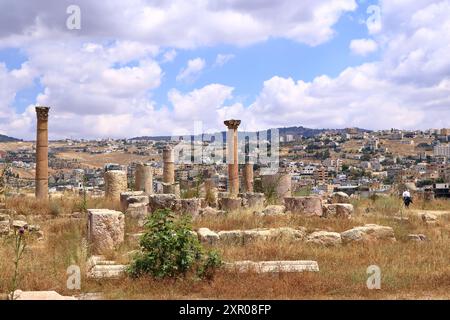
pixel 144 178
pixel 232 156
pixel 169 186
pixel 248 177
pixel 41 191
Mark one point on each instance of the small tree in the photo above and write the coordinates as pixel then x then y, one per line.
pixel 170 249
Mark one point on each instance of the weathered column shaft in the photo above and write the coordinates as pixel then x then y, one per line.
pixel 144 178
pixel 41 190
pixel 248 177
pixel 169 166
pixel 115 184
pixel 232 157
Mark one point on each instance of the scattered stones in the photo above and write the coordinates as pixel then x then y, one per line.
pixel 339 197
pixel 40 295
pixel 309 206
pixel 100 268
pixel 207 236
pixel 368 233
pixel 338 210
pixel 105 229
pixel 5 217
pixel 272 266
pixel 230 204
pixel 417 237
pixel 324 238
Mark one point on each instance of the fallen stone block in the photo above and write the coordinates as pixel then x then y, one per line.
pixel 242 237
pixel 5 217
pixel 106 229
pixel 273 210
pixel 429 218
pixel 207 236
pixel 338 210
pixel 368 233
pixel 208 211
pixel 107 271
pixel 138 212
pixel 324 238
pixel 230 204
pixel 162 201
pixel 4 228
pixel 99 268
pixel 339 197
pixel 19 224
pixel 309 206
pixel 189 206
pixel 39 295
pixel 125 195
pixel 272 266
pixel 252 200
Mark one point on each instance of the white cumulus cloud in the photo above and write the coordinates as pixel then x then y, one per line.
pixel 363 47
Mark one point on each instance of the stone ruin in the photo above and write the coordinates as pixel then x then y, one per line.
pixel 115 183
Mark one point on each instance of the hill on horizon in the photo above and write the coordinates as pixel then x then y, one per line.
pixel 4 138
pixel 296 131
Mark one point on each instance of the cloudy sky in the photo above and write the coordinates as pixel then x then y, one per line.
pixel 154 67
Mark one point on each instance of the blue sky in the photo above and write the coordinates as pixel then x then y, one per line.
pixel 248 69
pixel 319 64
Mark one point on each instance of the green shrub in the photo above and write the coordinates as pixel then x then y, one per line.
pixel 170 249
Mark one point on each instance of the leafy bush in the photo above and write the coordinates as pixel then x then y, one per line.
pixel 170 249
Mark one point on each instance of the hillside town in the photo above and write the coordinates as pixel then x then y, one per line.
pixel 352 160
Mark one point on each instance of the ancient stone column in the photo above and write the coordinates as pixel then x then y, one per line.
pixel 169 185
pixel 144 178
pixel 248 177
pixel 115 184
pixel 42 153
pixel 232 156
pixel 169 166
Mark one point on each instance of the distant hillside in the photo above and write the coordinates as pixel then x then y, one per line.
pixel 4 138
pixel 307 132
pixel 295 131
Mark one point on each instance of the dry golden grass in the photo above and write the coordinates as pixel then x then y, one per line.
pixel 99 160
pixel 409 270
pixel 66 204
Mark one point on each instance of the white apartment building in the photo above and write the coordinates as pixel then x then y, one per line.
pixel 442 150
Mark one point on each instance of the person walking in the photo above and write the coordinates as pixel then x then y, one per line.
pixel 407 200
